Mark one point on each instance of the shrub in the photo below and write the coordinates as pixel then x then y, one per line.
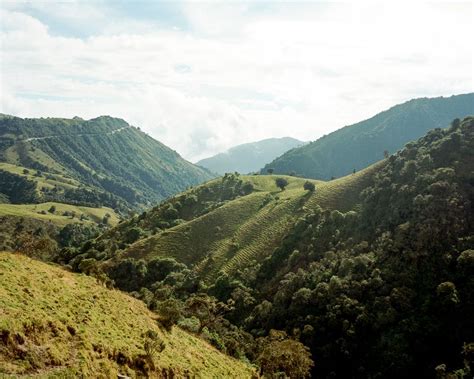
pixel 309 186
pixel 281 183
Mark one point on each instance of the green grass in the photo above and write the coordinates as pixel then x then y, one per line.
pixel 47 180
pixel 248 228
pixel 56 323
pixel 94 215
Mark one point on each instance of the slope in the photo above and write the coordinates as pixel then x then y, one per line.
pixel 55 323
pixel 249 157
pixel 213 236
pixel 103 159
pixel 359 145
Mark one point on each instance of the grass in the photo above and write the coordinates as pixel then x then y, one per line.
pixel 94 215
pixel 248 228
pixel 47 180
pixel 56 323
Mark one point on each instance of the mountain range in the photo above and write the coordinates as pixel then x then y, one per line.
pixel 303 276
pixel 356 146
pixel 102 161
pixel 249 157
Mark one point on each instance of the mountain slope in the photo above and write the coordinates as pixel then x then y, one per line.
pixel 356 270
pixel 103 160
pixel 357 146
pixel 249 157
pixel 226 225
pixel 53 322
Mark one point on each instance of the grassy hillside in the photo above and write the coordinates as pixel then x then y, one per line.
pixel 55 323
pixel 359 145
pixel 215 236
pixel 103 160
pixel 249 157
pixel 64 213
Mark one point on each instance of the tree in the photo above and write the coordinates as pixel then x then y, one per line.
pixel 170 311
pixel 206 309
pixel 281 354
pixel 386 154
pixel 247 188
pixel 26 171
pixel 133 234
pixel 309 186
pixel 281 183
pixel 105 219
pixel 52 209
pixel 270 170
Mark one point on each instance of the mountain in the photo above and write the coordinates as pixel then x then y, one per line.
pixel 54 323
pixel 353 267
pixel 249 157
pixel 357 146
pixel 102 161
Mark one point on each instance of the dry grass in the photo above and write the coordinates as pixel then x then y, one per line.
pixel 56 323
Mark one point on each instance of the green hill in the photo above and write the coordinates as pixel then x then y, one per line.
pixel 102 161
pixel 372 271
pixel 249 157
pixel 357 146
pixel 228 224
pixel 57 324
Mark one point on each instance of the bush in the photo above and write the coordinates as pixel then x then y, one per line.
pixel 308 186
pixel 281 183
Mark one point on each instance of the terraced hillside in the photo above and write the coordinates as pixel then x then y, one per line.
pixel 103 160
pixel 57 324
pixel 228 224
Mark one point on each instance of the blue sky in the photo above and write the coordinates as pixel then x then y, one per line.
pixel 204 76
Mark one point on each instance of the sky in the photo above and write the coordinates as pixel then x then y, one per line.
pixel 202 77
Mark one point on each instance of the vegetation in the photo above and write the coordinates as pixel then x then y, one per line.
pixel 357 146
pixel 281 183
pixel 353 272
pixel 249 157
pixel 103 161
pixel 54 323
pixel 349 280
pixel 309 186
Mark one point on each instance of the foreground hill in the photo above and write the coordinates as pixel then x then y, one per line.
pixel 55 323
pixel 249 157
pixel 373 271
pixel 359 145
pixel 99 161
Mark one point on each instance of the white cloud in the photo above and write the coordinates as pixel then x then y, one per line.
pixel 236 74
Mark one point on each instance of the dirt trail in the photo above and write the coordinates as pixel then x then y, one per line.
pixel 77 135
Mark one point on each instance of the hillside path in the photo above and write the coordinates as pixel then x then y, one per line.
pixel 76 135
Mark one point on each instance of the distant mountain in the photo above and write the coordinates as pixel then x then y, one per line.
pixel 249 157
pixel 102 161
pixel 357 146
